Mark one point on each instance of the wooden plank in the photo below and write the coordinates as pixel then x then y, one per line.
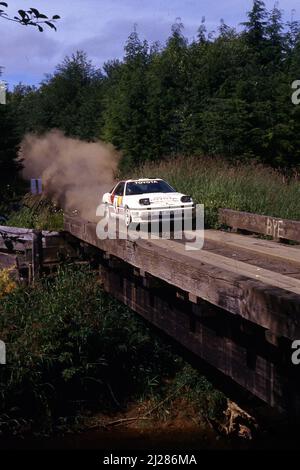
pixel 19 239
pixel 25 231
pixel 58 253
pixel 257 259
pixel 7 260
pixel 9 245
pixel 264 247
pixel 237 267
pixel 51 240
pixel 271 226
pixel 17 231
pixel 15 239
pixel 254 298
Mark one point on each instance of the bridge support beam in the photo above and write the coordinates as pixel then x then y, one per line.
pixel 236 348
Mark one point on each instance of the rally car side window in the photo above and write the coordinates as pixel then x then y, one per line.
pixel 119 189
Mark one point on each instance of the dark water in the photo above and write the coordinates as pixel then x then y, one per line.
pixel 132 439
pixel 124 439
pixel 138 440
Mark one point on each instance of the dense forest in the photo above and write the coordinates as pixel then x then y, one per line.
pixel 225 93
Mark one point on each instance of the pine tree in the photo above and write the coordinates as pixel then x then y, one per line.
pixel 9 164
pixel 70 99
pixel 125 104
pixel 201 34
pixel 276 39
pixel 293 32
pixel 167 81
pixel 256 25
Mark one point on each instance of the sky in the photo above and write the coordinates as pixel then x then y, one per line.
pixel 101 27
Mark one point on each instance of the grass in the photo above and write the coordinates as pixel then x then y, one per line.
pixel 36 213
pixel 217 183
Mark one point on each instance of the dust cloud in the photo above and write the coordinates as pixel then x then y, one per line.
pixel 75 173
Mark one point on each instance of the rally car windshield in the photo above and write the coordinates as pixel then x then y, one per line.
pixel 144 187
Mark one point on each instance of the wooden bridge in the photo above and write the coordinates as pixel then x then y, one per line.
pixel 235 304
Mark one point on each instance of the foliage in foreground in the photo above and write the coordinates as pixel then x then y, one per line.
pixel 7 284
pixel 36 213
pixel 71 347
pixel 217 183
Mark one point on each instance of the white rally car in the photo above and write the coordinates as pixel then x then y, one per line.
pixel 143 200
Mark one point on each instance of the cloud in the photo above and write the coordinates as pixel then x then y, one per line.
pixel 101 27
pixel 25 54
pixel 110 42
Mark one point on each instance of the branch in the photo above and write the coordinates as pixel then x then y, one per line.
pixel 31 17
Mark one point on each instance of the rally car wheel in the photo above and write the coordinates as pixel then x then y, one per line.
pixel 128 218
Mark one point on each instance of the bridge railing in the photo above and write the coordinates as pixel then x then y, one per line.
pixel 26 252
pixel 278 229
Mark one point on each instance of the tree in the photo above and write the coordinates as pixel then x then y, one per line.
pixel 70 99
pixel 293 33
pixel 31 17
pixel 201 33
pixel 276 39
pixel 9 164
pixel 8 147
pixel 125 117
pixel 226 31
pixel 166 102
pixel 256 25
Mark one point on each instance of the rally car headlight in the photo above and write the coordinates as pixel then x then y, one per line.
pixel 186 199
pixel 145 202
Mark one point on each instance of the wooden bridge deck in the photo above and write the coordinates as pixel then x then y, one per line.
pixel 235 303
pixel 254 278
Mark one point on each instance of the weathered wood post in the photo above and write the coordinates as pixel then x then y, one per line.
pixel 37 254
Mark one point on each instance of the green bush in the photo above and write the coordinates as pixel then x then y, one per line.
pixel 71 348
pixel 70 345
